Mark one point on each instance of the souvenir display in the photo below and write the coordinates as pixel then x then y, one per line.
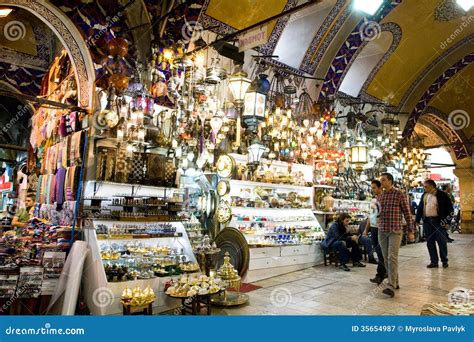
pixel 189 286
pixel 187 166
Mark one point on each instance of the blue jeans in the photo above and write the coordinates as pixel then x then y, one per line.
pixel 435 234
pixel 367 243
pixel 342 248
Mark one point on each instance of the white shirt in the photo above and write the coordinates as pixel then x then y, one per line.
pixel 431 205
pixel 374 212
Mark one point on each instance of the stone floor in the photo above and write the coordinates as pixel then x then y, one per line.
pixel 329 291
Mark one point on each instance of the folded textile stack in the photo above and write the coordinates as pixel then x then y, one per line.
pixel 439 309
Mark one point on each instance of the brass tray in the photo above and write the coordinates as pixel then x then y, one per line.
pixel 233 241
pixel 230 299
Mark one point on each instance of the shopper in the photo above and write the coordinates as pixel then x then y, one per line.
pixel 436 210
pixel 23 215
pixel 341 241
pixel 447 189
pixel 372 227
pixel 393 203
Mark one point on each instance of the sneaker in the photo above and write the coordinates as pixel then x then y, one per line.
pixel 376 280
pixel 389 292
pixel 358 264
pixel 450 240
pixel 344 268
pixel 445 265
pixel 373 261
pixel 432 266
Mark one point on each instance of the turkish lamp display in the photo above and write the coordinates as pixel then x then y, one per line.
pixel 239 84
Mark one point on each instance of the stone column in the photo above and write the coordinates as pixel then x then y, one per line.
pixel 466 188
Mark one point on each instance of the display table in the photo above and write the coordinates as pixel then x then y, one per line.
pixel 132 310
pixel 194 304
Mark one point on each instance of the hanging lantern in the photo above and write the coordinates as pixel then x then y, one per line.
pixel 359 155
pixel 216 124
pixel 239 84
pixel 254 108
pixel 255 153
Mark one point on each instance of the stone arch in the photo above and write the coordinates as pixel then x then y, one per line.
pixel 457 140
pixel 71 39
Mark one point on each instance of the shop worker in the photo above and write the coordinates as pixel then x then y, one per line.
pixel 23 215
pixel 340 240
pixel 393 203
pixel 372 227
pixel 436 210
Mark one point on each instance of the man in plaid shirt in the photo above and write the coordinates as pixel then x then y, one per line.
pixel 393 203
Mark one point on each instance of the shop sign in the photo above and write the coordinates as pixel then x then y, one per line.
pixel 253 38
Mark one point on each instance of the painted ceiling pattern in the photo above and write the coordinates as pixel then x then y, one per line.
pixel 422 104
pixel 396 32
pixel 26 80
pixel 459 45
pixel 350 47
pixel 323 38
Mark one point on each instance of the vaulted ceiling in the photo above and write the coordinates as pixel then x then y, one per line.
pixel 412 55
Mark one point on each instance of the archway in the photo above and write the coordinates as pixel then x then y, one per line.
pixel 72 41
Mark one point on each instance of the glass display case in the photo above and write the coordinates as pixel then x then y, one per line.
pixel 137 238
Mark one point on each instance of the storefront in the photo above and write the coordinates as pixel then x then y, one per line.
pixel 169 172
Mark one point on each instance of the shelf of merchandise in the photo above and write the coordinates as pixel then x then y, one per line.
pixel 97 288
pixel 323 186
pixel 269 185
pixel 96 283
pixel 271 260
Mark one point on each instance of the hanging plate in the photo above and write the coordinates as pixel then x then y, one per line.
pixel 233 241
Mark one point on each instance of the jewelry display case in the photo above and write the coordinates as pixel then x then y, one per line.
pixel 132 248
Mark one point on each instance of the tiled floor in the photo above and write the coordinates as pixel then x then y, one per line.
pixel 329 291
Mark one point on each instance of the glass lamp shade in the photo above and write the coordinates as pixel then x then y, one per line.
pixel 216 124
pixel 255 152
pixel 254 106
pixel 239 84
pixel 359 155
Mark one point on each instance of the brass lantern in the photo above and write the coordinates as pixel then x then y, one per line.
pixel 359 155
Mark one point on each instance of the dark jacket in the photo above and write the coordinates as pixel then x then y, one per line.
pixel 337 232
pixel 445 206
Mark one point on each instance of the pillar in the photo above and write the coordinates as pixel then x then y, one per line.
pixel 466 188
